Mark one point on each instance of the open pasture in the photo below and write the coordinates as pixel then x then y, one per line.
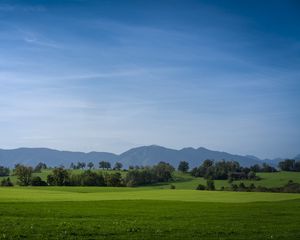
pixel 45 194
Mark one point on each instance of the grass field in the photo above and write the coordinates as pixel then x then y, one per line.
pixel 35 194
pixel 143 213
pixel 149 220
pixel 152 212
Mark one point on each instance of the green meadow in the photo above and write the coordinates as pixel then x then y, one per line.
pixel 139 213
pixel 45 194
pixel 151 212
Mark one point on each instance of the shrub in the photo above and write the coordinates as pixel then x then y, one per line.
pixel 37 181
pixel 210 185
pixel 6 182
pixel 200 187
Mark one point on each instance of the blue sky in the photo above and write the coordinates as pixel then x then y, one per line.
pixel 111 75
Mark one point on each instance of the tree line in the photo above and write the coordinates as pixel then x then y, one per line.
pixel 290 165
pixel 139 175
pixel 103 165
pixel 290 187
pixel 223 170
pixel 161 172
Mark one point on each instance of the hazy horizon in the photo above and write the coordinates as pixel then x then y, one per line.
pixel 110 76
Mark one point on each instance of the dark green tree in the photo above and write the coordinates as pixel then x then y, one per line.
pixel 90 165
pixel 4 171
pixel 24 174
pixel 59 177
pixel 118 166
pixel 289 165
pixel 89 178
pixel 104 165
pixel 183 166
pixel 163 171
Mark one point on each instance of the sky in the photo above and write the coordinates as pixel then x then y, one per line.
pixel 111 75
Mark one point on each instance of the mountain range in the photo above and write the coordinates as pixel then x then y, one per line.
pixel 142 156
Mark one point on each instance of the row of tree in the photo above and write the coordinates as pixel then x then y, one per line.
pixel 286 165
pixel 262 168
pixel 60 176
pixel 162 172
pixel 290 165
pixel 63 177
pixel 290 187
pixel 223 170
pixel 103 165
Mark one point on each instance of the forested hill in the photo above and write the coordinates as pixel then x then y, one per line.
pixel 146 155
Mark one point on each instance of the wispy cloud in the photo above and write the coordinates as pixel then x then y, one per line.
pixel 35 38
pixel 22 8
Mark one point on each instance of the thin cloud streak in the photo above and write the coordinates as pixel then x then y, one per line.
pixel 22 8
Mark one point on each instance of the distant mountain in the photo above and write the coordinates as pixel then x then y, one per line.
pixel 32 156
pixel 146 155
pixel 149 155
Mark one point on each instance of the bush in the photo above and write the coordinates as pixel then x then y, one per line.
pixel 200 187
pixel 172 186
pixel 6 182
pixel 37 181
pixel 210 185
